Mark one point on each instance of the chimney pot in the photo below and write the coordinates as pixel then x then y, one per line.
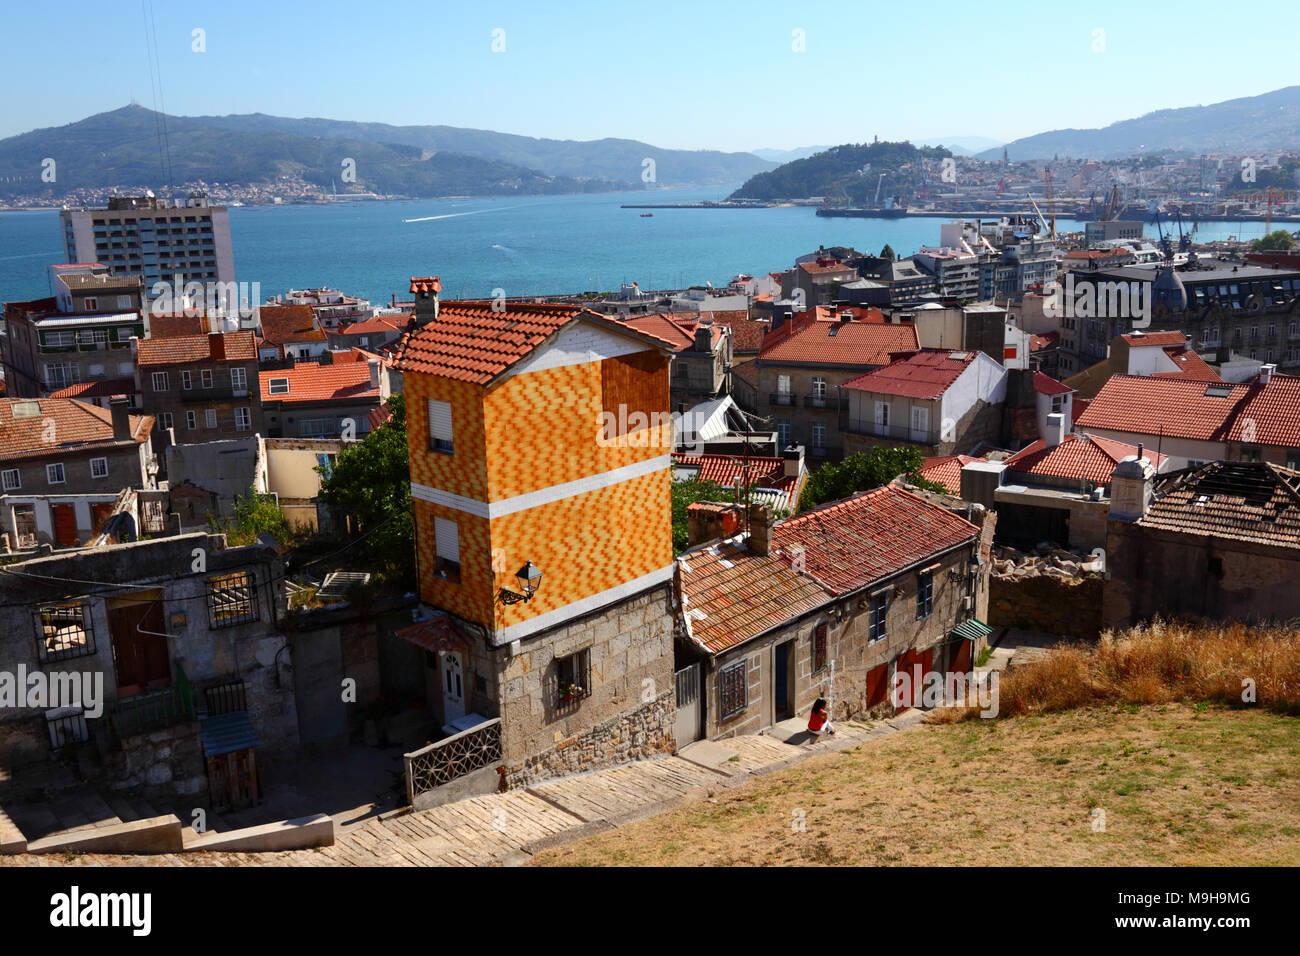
pixel 120 409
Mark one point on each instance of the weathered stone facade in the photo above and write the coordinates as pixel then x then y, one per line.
pixel 166 764
pixel 1051 605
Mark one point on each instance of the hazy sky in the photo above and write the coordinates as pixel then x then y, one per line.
pixel 693 75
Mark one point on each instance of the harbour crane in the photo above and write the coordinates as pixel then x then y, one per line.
pixel 1051 207
pixel 879 182
pixel 1270 196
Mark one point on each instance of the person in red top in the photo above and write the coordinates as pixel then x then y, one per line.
pixel 819 721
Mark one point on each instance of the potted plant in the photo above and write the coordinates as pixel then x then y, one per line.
pixel 569 693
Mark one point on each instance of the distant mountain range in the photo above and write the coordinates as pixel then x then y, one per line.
pixel 1249 125
pixel 122 147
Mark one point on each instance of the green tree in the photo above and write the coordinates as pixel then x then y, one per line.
pixel 371 482
pixel 1279 240
pixel 888 253
pixel 686 493
pixel 861 472
pixel 256 514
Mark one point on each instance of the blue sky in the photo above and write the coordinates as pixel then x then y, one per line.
pixel 686 75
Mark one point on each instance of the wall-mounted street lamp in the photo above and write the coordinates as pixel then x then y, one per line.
pixel 530 578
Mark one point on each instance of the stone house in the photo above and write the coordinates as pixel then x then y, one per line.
pixel 798 376
pixel 1217 542
pixel 831 603
pixel 203 387
pixel 538 436
pixel 944 402
pixel 181 629
pixel 322 400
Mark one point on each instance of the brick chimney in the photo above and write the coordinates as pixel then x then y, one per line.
pixel 704 338
pixel 707 520
pixel 217 346
pixel 120 408
pixel 760 529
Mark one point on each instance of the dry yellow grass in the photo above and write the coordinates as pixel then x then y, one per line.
pixel 1179 785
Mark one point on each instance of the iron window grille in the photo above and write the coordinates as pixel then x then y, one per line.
pixel 733 690
pixel 877 615
pixel 64 631
pixel 225 698
pixel 232 599
pixel 67 725
pixel 573 677
pixel 924 594
pixel 819 656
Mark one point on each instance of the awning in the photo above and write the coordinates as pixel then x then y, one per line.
pixel 437 634
pixel 972 630
pixel 226 733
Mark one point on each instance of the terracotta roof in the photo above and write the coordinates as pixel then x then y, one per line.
pixel 1046 340
pixel 375 325
pixel 1245 501
pixel 438 634
pixel 102 389
pixel 1077 407
pixel 1155 338
pixel 926 374
pixel 946 470
pixel 184 349
pixel 873 535
pixel 854 343
pixel 77 425
pixel 313 382
pixel 731 595
pixel 170 325
pixel 746 333
pixel 1181 408
pixel 1076 458
pixel 1192 366
pixel 284 324
pixel 473 342
pixel 674 328
pixel 822 266
pixel 1047 385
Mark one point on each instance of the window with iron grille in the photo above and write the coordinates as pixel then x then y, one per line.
pixel 924 594
pixel 66 725
pixel 573 675
pixel 877 614
pixel 819 647
pixel 733 689
pixel 232 599
pixel 64 630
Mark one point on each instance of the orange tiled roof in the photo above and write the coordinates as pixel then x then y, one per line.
pixel 170 325
pixel 855 343
pixel 184 349
pixel 668 326
pixel 375 325
pixel 764 472
pixel 102 389
pixel 427 285
pixel 926 374
pixel 1155 338
pixel 283 324
pixel 732 594
pixel 1245 501
pixel 873 535
pixel 1180 408
pixel 1076 458
pixel 77 425
pixel 473 342
pixel 1192 366
pixel 1047 385
pixel 312 382
pixel 946 470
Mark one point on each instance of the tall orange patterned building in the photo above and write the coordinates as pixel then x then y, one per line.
pixel 540 444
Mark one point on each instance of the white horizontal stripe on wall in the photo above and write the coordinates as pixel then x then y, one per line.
pixel 542 496
pixel 584 606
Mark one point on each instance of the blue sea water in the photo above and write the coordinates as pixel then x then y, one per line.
pixel 524 245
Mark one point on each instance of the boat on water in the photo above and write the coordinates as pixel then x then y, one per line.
pixel 646 215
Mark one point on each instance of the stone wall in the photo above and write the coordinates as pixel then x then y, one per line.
pixel 641 733
pixel 1065 606
pixel 165 764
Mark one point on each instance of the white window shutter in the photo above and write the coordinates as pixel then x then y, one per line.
pixel 439 420
pixel 446 540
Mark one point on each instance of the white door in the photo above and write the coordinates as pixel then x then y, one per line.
pixel 920 423
pixel 453 689
pixel 882 418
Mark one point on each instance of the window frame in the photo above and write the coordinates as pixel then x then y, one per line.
pixel 733 689
pixel 156 378
pixel 191 420
pixel 219 586
pixel 205 376
pixel 573 670
pixel 187 380
pixel 444 566
pixel 247 422
pixel 877 618
pixel 103 460
pixel 4 479
pixel 63 473
pixel 924 593
pixel 86 628
pixel 447 445
pixel 820 638
pixel 272 388
pixel 209 418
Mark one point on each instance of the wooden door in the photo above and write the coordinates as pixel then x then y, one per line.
pixel 65 524
pixel 140 653
pixel 100 514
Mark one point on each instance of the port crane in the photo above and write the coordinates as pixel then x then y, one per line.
pixel 879 182
pixel 1270 196
pixel 1051 206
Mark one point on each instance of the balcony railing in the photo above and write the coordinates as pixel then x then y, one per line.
pixel 198 393
pixel 899 432
pixel 825 401
pixel 153 710
pixel 780 398
pixel 442 762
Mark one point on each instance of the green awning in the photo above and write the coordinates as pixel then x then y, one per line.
pixel 972 630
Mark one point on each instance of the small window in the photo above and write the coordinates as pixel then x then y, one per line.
pixel 924 594
pixel 210 418
pixel 440 436
pixel 99 468
pixel 10 479
pixel 191 420
pixel 166 419
pixel 819 640
pixel 160 381
pixel 66 725
pixel 90 304
pixel 207 377
pixel 573 677
pixel 64 630
pixel 186 379
pixel 733 690
pixel 447 549
pixel 278 386
pixel 232 599
pixel 238 379
pixel 243 420
pixel 54 473
pixel 877 616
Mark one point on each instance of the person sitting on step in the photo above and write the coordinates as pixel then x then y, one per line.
pixel 819 720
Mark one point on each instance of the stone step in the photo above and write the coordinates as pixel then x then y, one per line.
pixel 34 820
pixel 122 808
pixel 96 810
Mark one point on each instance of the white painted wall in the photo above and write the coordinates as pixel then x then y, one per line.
pixel 982 380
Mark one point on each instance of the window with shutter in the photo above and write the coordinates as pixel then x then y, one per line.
pixel 447 547
pixel 440 438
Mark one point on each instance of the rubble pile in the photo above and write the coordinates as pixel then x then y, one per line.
pixel 1045 560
